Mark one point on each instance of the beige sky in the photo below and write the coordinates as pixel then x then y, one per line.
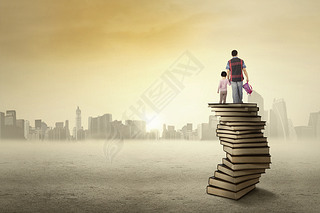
pixel 102 55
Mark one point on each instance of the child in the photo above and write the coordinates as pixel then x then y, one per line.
pixel 223 87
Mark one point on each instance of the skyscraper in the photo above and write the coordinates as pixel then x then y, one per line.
pixel 78 119
pixel 279 126
pixel 67 129
pixel 1 124
pixel 100 127
pixel 20 128
pixel 314 123
pixel 203 131
pixel 255 97
pixel 26 129
pixel 137 128
pixel 37 124
pixel 213 122
pixel 10 118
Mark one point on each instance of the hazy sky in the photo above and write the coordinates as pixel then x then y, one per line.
pixel 102 55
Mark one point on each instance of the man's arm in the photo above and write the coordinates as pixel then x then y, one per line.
pixel 228 74
pixel 244 70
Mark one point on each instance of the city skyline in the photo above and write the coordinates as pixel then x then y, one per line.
pixel 278 125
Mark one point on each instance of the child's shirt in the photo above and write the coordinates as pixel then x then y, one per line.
pixel 223 85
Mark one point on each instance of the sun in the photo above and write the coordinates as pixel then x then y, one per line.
pixel 156 123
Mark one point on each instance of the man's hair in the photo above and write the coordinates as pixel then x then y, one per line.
pixel 223 74
pixel 234 53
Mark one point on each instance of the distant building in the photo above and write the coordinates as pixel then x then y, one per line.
pixel 10 118
pixel 78 118
pixel 204 131
pixel 279 126
pixel 207 131
pixel 60 132
pixel 118 131
pixel 79 133
pixel 314 123
pixel 137 129
pixel 171 132
pixel 20 128
pixel 213 123
pixel 66 126
pixel 304 132
pixel 2 116
pixel 164 132
pixel 39 132
pixel 255 97
pixel 187 132
pixel 11 130
pixel 100 127
pixel 37 124
pixel 153 134
pixel 26 129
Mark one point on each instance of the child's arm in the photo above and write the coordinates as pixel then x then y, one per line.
pixel 228 75
pixel 219 86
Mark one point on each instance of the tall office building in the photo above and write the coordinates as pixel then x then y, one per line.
pixel 100 127
pixel 279 126
pixel 189 127
pixel 255 97
pixel 13 128
pixel 314 123
pixel 66 127
pixel 10 118
pixel 1 124
pixel 78 119
pixel 213 122
pixel 58 132
pixel 20 128
pixel 37 124
pixel 164 131
pixel 26 129
pixel 203 131
pixel 137 128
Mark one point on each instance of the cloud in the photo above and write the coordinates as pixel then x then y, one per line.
pixel 38 28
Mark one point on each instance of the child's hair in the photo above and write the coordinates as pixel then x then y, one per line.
pixel 223 74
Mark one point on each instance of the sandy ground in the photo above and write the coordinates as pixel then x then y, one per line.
pixel 149 176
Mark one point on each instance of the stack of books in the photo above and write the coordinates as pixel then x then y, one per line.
pixel 247 151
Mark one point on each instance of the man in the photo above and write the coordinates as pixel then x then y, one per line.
pixel 235 69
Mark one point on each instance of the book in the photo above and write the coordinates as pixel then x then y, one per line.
pixel 247 150
pixel 250 119
pixel 237 128
pixel 239 123
pixel 239 145
pixel 235 114
pixel 236 173
pixel 243 166
pixel 235 187
pixel 235 109
pixel 255 135
pixel 229 194
pixel 216 105
pixel 223 176
pixel 238 132
pixel 249 158
pixel 243 140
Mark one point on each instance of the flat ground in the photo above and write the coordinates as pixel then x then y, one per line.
pixel 149 176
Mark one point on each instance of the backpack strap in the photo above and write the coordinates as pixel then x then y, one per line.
pixel 241 69
pixel 230 67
